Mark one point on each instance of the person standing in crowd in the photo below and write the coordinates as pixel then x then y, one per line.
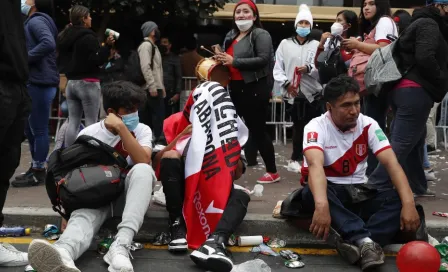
pixel 15 109
pixel 113 69
pixel 41 34
pixel 424 56
pixel 375 26
pixel 80 56
pixel 346 26
pixel 172 76
pixel 249 56
pixel 189 60
pixel 292 71
pixel 152 113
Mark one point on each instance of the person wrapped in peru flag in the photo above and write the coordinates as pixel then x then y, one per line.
pixel 197 170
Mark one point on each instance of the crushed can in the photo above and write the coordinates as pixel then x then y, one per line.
pixel 232 240
pixel 104 245
pixel 276 243
pixel 136 246
pixel 290 255
pixel 294 264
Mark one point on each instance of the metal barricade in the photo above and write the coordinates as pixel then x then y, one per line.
pixel 280 123
pixel 189 83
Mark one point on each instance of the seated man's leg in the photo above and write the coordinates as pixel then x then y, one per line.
pixel 173 181
pixel 348 225
pixel 138 188
pixel 76 239
pixel 212 254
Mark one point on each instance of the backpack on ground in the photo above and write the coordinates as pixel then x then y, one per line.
pixel 330 63
pixel 133 71
pixel 86 174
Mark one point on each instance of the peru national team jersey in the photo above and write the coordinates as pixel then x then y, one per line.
pixel 345 153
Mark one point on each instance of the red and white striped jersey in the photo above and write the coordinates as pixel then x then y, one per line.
pixel 345 153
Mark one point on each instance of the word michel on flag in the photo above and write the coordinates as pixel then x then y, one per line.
pixel 211 160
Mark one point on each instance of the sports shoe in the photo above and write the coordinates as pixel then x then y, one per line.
pixel 428 193
pixel 213 256
pixel 118 257
pixel 294 166
pixel 430 175
pixel 44 256
pixel 10 256
pixel 25 175
pixel 348 252
pixel 372 255
pixel 178 236
pixel 34 179
pixel 269 178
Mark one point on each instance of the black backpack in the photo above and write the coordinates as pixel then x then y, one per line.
pixel 330 63
pixel 88 158
pixel 133 70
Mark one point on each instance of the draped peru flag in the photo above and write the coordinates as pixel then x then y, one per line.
pixel 211 159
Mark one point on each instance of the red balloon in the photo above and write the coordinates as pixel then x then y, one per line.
pixel 418 256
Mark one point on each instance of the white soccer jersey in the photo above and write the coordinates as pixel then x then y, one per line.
pixel 345 153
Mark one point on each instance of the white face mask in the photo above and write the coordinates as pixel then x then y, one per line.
pixel 244 25
pixel 337 29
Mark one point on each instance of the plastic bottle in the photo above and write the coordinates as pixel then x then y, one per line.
pixel 15 232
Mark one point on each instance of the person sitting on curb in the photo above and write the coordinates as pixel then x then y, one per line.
pixel 121 130
pixel 335 149
pixel 211 255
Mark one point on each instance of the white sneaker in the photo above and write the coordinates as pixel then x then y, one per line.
pixel 10 256
pixel 118 257
pixel 294 166
pixel 430 175
pixel 44 256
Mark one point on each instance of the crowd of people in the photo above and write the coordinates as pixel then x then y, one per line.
pixel 356 179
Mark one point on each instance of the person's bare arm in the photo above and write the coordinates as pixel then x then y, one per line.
pixel 317 181
pixel 170 146
pixel 138 153
pixel 410 220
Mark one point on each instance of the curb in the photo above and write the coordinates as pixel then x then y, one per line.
pixel 157 221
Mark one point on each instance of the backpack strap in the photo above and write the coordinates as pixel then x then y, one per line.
pixel 94 142
pixel 153 52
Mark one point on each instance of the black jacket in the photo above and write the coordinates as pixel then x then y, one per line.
pixel 13 53
pixel 80 54
pixel 423 51
pixel 253 55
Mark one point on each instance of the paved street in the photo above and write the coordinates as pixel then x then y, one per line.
pixel 37 196
pixel 162 261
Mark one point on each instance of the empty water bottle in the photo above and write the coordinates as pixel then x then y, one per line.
pixel 15 231
pixel 256 265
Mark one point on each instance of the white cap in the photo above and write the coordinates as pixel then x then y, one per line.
pixel 304 15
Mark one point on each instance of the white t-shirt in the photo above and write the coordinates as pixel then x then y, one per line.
pixel 384 27
pixel 142 133
pixel 345 153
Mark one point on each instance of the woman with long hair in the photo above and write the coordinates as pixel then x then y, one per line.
pixel 376 28
pixel 249 54
pixel 80 58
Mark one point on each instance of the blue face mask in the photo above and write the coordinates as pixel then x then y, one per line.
pixel 131 120
pixel 25 8
pixel 303 31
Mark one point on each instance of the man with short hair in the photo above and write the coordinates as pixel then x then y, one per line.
pixel 335 149
pixel 122 130
pixel 172 76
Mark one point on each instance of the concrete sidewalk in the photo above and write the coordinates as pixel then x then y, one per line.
pixel 31 206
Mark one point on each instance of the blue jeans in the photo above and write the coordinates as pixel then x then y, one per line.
pixel 37 129
pixel 411 108
pixel 377 217
pixel 426 163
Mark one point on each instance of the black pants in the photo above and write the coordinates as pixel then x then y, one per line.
pixel 301 112
pixel 152 113
pixel 16 106
pixel 171 109
pixel 172 177
pixel 252 102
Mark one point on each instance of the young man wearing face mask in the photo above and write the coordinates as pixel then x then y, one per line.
pixel 132 139
pixel 172 76
pixel 152 113
pixel 294 64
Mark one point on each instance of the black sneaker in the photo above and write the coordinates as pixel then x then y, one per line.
pixel 36 178
pixel 178 233
pixel 213 256
pixel 372 255
pixel 25 175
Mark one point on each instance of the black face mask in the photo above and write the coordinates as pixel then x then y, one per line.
pixel 157 34
pixel 163 49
